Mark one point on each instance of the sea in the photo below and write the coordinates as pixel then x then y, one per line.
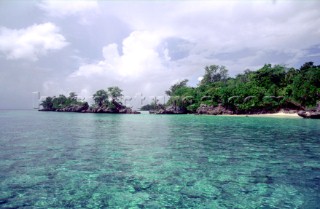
pixel 74 160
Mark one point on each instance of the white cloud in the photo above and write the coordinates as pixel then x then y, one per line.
pixel 32 42
pixel 139 68
pixel 216 27
pixel 173 41
pixel 145 46
pixel 139 55
pixel 200 78
pixel 58 8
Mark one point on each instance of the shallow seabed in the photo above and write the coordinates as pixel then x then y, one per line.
pixel 70 160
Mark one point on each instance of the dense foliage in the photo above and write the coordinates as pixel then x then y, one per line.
pixel 101 98
pixel 154 105
pixel 269 88
pixel 61 101
pixel 266 90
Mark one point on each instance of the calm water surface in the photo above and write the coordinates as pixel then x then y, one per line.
pixel 70 160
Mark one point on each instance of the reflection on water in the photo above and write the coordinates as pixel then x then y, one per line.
pixel 62 160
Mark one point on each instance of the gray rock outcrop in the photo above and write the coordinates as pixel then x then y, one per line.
pixel 309 114
pixel 211 110
pixel 170 110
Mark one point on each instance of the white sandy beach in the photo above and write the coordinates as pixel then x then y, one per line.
pixel 278 114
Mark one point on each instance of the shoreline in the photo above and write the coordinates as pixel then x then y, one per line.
pixel 278 114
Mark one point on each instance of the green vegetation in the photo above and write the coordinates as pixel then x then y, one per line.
pixel 101 97
pixel 268 89
pixel 109 98
pixel 115 93
pixel 154 105
pixel 61 101
pixel 265 90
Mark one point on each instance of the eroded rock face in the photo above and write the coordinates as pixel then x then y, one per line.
pixel 309 114
pixel 84 108
pixel 75 108
pixel 211 110
pixel 116 108
pixel 128 111
pixel 170 110
pixel 203 109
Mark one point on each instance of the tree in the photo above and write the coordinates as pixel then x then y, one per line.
pixel 100 97
pixel 60 101
pixel 72 97
pixel 154 105
pixel 47 103
pixel 175 87
pixel 306 66
pixel 115 93
pixel 246 77
pixel 147 107
pixel 214 73
pixel 306 85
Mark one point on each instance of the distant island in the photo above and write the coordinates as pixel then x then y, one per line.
pixel 106 101
pixel 267 90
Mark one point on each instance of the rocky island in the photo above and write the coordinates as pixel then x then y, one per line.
pixel 106 101
pixel 270 89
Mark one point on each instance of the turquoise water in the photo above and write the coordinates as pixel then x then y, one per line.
pixel 70 160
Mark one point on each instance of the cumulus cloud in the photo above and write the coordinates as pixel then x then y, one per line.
pixel 226 27
pixel 139 55
pixel 139 68
pixel 146 46
pixel 31 42
pixel 182 38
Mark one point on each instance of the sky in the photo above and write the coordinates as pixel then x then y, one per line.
pixel 57 47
